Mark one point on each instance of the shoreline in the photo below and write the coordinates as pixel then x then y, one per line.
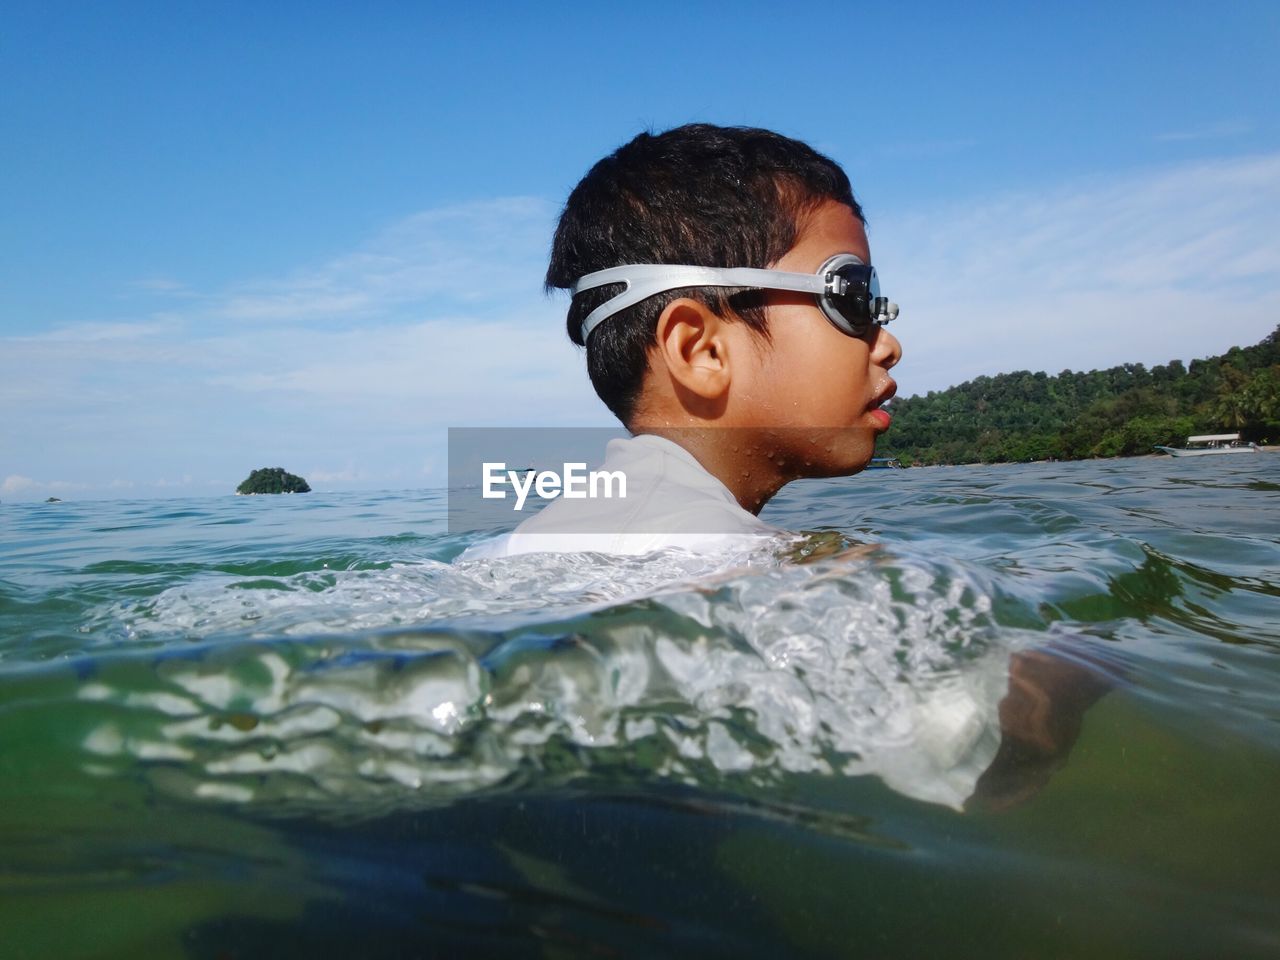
pixel 1262 448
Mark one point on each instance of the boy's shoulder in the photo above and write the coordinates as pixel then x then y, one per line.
pixel 670 500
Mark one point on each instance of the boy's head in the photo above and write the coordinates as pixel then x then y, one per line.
pixel 699 194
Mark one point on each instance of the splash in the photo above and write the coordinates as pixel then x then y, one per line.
pixel 419 683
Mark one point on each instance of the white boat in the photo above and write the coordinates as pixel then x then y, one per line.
pixel 1211 443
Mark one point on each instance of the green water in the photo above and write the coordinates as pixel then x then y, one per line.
pixel 245 727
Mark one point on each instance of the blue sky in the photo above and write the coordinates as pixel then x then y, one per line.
pixel 312 235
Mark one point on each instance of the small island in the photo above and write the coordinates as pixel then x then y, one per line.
pixel 272 480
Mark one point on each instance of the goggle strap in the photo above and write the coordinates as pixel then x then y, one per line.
pixel 646 280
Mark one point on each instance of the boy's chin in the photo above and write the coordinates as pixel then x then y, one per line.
pixel 837 451
pixel 830 451
pixel 793 452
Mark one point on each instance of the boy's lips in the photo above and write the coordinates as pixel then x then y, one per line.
pixel 873 409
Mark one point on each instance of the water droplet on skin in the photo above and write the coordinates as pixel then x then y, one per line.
pixel 244 722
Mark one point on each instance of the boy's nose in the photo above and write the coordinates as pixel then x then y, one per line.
pixel 886 351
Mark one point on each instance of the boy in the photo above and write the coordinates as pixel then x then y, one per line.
pixel 722 288
pixel 768 367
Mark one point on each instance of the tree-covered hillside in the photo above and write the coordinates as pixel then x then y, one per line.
pixel 1104 413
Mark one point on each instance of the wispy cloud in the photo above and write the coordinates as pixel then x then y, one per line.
pixel 474 255
pixel 441 371
pixel 348 474
pixel 437 321
pixel 1182 262
pixel 1212 131
pixel 96 332
pixel 17 485
pixel 163 285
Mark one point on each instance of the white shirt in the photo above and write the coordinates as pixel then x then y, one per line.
pixel 671 501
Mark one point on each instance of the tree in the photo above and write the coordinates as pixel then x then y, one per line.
pixel 1230 406
pixel 1124 410
pixel 272 480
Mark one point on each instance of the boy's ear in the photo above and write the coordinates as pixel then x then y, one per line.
pixel 693 344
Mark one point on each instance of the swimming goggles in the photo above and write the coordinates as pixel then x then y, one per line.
pixel 846 289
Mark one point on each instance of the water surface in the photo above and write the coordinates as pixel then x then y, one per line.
pixel 241 727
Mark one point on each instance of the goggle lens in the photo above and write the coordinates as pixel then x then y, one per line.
pixel 853 301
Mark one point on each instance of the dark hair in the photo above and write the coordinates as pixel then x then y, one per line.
pixel 699 194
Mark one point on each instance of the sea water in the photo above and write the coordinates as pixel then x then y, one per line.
pixel 302 726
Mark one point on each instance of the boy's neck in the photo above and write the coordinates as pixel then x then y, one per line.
pixel 743 459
